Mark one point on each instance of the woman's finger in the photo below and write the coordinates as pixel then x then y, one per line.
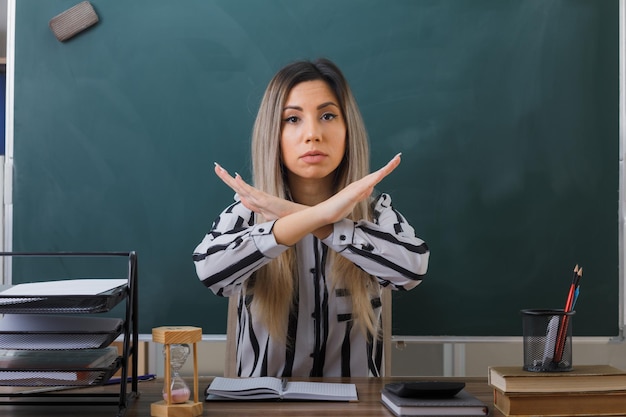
pixel 391 165
pixel 377 176
pixel 225 177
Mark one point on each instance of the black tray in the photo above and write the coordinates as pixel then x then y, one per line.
pixel 49 332
pixel 99 303
pixel 54 378
pixel 39 375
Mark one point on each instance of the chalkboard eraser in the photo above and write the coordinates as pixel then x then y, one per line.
pixel 73 21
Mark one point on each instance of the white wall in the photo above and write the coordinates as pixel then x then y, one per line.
pixel 426 359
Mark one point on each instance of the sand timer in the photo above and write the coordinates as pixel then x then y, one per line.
pixel 176 393
pixel 178 389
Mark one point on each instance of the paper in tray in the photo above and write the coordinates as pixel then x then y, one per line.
pixel 39 367
pixel 63 296
pixel 43 378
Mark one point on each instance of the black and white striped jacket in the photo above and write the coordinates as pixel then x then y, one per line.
pixel 324 341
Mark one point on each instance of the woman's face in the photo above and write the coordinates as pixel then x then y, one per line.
pixel 313 138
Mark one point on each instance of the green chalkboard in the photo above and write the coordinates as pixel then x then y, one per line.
pixel 506 112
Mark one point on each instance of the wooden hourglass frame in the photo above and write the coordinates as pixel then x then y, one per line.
pixel 170 335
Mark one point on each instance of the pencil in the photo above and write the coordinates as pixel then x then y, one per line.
pixel 580 275
pixel 572 290
pixel 569 304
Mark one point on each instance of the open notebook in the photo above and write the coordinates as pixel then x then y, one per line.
pixel 268 388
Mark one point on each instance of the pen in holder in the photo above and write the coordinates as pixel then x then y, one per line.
pixel 547 339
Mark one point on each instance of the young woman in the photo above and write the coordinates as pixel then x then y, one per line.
pixel 306 248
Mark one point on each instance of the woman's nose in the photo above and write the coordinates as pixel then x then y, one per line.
pixel 313 132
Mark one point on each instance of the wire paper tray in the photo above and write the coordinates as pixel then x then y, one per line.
pixel 99 303
pixel 39 332
pixel 53 367
pixel 65 377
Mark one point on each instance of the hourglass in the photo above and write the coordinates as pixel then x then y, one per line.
pixel 176 393
pixel 178 389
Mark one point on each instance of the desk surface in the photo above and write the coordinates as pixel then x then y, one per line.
pixel 150 391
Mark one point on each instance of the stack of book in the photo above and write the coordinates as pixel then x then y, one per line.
pixel 431 398
pixel 587 390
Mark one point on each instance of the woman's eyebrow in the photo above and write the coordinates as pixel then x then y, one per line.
pixel 321 106
pixel 328 103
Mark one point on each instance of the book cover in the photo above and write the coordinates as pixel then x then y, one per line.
pixel 462 404
pixel 582 378
pixel 271 388
pixel 561 404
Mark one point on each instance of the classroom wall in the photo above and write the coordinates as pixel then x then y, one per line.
pixel 426 358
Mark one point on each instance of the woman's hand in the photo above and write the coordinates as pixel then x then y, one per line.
pixel 297 220
pixel 269 206
pixel 341 204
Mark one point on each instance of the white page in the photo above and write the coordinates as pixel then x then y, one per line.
pixel 65 287
pixel 325 390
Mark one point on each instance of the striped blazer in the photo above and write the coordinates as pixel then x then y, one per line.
pixel 324 341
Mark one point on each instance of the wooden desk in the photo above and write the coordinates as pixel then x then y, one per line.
pixel 368 390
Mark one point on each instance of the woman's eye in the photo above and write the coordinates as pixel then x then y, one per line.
pixel 328 116
pixel 291 119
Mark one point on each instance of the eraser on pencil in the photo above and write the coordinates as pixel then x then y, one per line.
pixel 73 21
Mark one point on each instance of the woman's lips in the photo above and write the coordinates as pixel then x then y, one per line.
pixel 313 157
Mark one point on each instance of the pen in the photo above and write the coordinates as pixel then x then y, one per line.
pixel 147 377
pixel 50 389
pixel 283 384
pixel 572 290
pixel 575 296
pixel 569 305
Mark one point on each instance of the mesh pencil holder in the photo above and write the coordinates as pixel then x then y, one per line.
pixel 547 339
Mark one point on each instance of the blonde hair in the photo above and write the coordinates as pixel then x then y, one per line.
pixel 275 285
